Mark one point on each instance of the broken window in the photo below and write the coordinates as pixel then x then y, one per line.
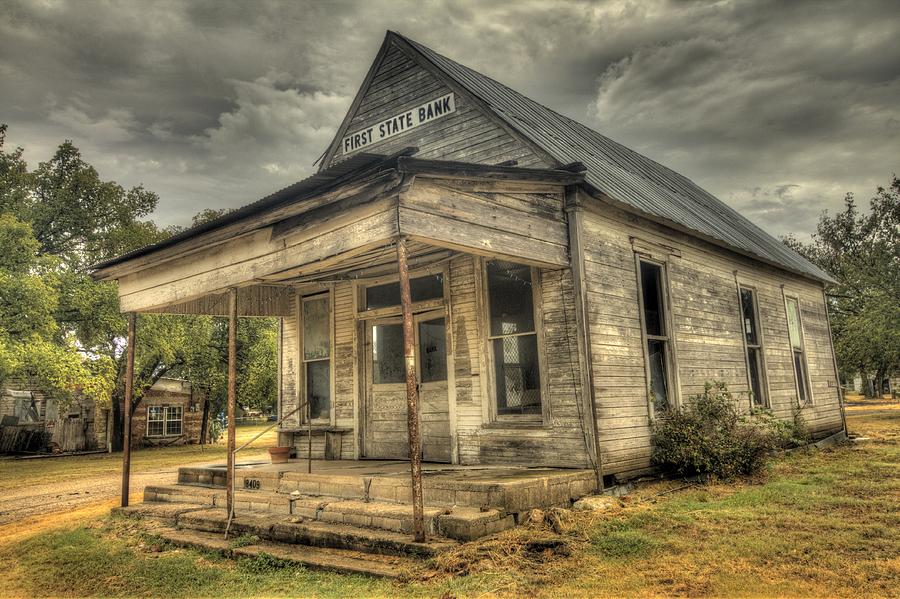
pixel 433 350
pixel 420 289
pixel 795 332
pixel 755 363
pixel 317 355
pixel 656 335
pixel 513 338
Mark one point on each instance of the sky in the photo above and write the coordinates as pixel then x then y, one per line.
pixel 777 108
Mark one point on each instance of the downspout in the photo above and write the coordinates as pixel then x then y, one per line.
pixel 574 215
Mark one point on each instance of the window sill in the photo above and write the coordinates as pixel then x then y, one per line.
pixel 517 424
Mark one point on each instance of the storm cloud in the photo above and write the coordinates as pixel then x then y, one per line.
pixel 778 108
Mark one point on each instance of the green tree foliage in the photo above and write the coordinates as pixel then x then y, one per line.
pixel 63 329
pixel 862 251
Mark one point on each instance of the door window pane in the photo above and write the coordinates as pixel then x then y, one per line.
pixel 318 388
pixel 433 350
pixel 316 337
pixel 511 299
pixel 387 354
pixel 659 385
pixel 651 285
pixel 518 375
pixel 748 312
pixel 420 289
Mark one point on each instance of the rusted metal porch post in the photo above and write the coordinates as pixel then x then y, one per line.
pixel 126 408
pixel 232 395
pixel 412 393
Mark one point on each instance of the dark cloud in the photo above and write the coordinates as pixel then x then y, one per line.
pixel 778 108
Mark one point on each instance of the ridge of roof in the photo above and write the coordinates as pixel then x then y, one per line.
pixel 623 174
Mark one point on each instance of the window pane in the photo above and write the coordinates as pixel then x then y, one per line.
pixel 510 297
pixel 318 388
pixel 800 373
pixel 793 314
pixel 154 413
pixel 387 354
pixel 316 337
pixel 420 289
pixel 659 382
pixel 155 428
pixel 517 374
pixel 748 312
pixel 651 284
pixel 433 350
pixel 753 359
pixel 173 420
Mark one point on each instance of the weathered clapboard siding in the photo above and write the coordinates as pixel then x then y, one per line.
pixel 257 255
pixel 401 83
pixel 707 331
pixel 559 441
pixel 520 227
pixel 290 368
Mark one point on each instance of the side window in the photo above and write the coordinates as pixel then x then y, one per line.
pixel 155 421
pixel 795 331
pixel 513 338
pixel 657 339
pixel 173 420
pixel 316 355
pixel 752 340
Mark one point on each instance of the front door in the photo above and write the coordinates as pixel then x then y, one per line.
pixel 385 411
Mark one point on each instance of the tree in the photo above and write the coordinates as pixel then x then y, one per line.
pixel 862 251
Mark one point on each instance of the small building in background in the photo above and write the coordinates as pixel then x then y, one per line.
pixel 169 414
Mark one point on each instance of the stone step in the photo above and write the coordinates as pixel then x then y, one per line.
pixel 335 560
pixel 458 522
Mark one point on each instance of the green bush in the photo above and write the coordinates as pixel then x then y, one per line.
pixel 710 436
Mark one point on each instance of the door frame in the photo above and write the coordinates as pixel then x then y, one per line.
pixel 366 379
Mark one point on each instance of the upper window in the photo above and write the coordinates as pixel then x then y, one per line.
pixel 317 355
pixel 795 332
pixel 513 338
pixel 656 335
pixel 420 289
pixel 753 342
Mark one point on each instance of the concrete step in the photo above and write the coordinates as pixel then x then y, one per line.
pixel 335 560
pixel 297 531
pixel 458 522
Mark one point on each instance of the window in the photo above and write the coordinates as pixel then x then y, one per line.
pixel 317 355
pixel 656 335
pixel 753 342
pixel 433 350
pixel 513 338
pixel 388 362
pixel 420 289
pixel 164 421
pixel 795 331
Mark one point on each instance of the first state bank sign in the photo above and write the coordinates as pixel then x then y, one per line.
pixel 400 123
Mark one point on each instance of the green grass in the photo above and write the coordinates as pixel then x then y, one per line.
pixel 819 523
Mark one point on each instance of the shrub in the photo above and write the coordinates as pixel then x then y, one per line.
pixel 709 436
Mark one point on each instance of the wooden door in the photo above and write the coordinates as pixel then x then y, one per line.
pixel 385 434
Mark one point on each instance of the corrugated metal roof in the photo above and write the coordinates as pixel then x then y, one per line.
pixel 622 173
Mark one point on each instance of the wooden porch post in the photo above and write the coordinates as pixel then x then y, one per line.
pixel 126 409
pixel 232 393
pixel 412 393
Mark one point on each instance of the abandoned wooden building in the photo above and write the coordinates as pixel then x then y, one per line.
pixel 564 289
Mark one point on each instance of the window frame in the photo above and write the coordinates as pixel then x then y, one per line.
pixel 362 313
pixel 672 379
pixel 759 347
pixel 303 362
pixel 807 381
pixel 164 420
pixel 542 418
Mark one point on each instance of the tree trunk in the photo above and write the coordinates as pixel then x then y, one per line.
pixel 118 421
pixel 204 424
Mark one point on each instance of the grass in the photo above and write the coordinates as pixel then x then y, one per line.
pixel 16 473
pixel 817 523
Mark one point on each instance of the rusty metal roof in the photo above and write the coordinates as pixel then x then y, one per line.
pixel 622 174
